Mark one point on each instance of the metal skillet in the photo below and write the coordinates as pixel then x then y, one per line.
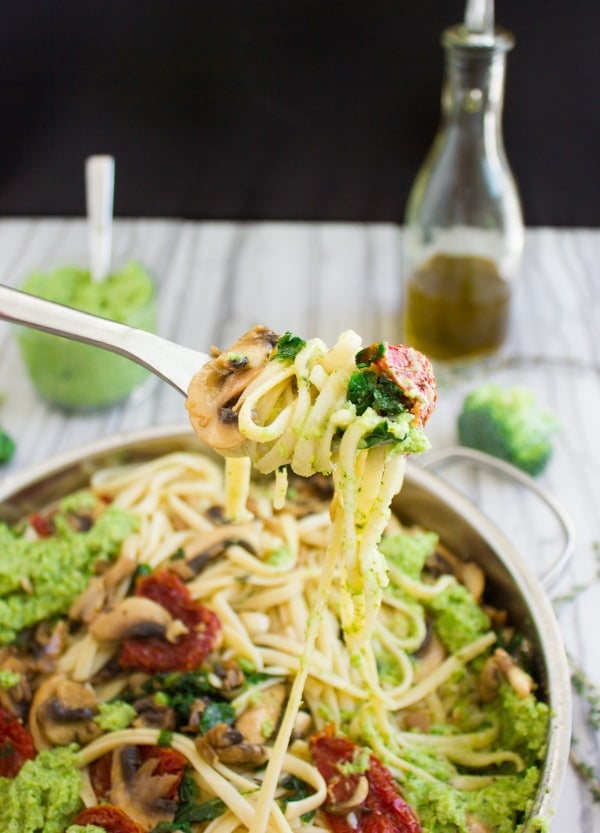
pixel 425 500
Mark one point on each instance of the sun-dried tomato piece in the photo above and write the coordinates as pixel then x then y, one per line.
pixel 16 744
pixel 410 370
pixel 43 524
pixel 111 818
pixel 366 798
pixel 170 762
pixel 100 776
pixel 156 653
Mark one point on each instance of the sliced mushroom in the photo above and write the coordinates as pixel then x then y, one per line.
pixel 230 674
pixel 498 666
pixel 136 617
pixel 302 725
pixel 469 573
pixel 138 791
pixel 430 655
pixel 153 715
pixel 15 699
pixel 62 712
pixel 197 709
pixel 100 590
pixel 260 720
pixel 472 576
pixel 215 390
pixel 90 602
pixel 419 719
pixel 227 743
pixel 203 548
pixel 474 825
pixel 311 495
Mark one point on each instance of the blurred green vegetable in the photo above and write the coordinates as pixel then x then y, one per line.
pixel 509 424
pixel 7 447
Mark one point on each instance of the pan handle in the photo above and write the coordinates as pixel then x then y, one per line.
pixel 551 574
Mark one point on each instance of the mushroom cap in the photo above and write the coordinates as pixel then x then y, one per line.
pixel 62 712
pixel 215 390
pixel 138 791
pixel 136 616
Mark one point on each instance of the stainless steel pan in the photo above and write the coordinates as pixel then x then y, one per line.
pixel 425 499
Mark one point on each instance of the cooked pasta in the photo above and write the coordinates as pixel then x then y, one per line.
pixel 297 409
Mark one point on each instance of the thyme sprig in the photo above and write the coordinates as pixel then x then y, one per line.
pixel 584 687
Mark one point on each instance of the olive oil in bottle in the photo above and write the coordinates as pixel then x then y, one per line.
pixel 463 235
pixel 456 305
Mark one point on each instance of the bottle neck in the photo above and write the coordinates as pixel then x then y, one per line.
pixel 473 84
pixel 474 70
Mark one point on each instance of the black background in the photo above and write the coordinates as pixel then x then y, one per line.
pixel 273 109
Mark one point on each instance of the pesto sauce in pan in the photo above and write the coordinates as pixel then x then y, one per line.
pixel 41 578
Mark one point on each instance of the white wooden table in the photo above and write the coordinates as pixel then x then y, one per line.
pixel 218 279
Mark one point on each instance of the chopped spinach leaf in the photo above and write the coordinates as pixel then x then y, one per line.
pixel 172 827
pixel 196 813
pixel 188 811
pixel 142 570
pixel 369 355
pixel 380 434
pixel 178 554
pixel 214 713
pixel 288 347
pixel 367 389
pixel 295 790
pixel 188 789
pixel 256 678
pixel 183 688
pixel 360 390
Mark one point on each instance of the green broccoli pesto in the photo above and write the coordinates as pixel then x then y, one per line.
pixel 113 717
pixel 44 796
pixel 88 828
pixel 523 724
pixel 509 424
pixel 9 679
pixel 41 578
pixel 500 804
pixel 458 618
pixel 505 801
pixel 75 375
pixel 409 550
pixel 402 431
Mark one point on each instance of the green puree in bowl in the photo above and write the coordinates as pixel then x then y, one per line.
pixel 78 376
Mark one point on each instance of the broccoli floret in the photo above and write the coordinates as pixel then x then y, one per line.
pixel 509 424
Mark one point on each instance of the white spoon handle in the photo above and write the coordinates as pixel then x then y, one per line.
pixel 99 192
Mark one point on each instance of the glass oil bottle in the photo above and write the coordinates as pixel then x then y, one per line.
pixel 463 235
